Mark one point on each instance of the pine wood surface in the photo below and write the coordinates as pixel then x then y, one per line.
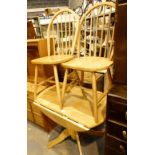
pixel 34 113
pixel 91 64
pixel 62 120
pixel 38 48
pixel 76 107
pixel 60 30
pixel 54 59
pixel 61 51
pixel 30 90
pixel 89 59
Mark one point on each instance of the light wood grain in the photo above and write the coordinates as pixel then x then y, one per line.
pixel 85 37
pixel 61 120
pixel 57 84
pixel 58 30
pixel 64 86
pixel 60 49
pixel 107 33
pixel 63 135
pixel 98 28
pixel 37 48
pixel 54 59
pixel 74 22
pixel 35 81
pixel 61 30
pixel 111 50
pixel 31 89
pixel 70 43
pixel 96 33
pixel 90 41
pixel 108 80
pixel 93 36
pixel 102 30
pixel 91 64
pixel 76 107
pixel 94 97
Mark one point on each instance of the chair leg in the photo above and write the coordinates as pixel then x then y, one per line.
pixel 78 143
pixel 64 134
pixel 110 78
pixel 35 81
pixel 57 83
pixel 107 80
pixel 94 96
pixel 64 86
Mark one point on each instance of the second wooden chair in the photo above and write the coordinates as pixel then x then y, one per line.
pixel 63 30
pixel 95 29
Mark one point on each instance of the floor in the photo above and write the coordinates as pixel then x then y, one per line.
pixel 37 140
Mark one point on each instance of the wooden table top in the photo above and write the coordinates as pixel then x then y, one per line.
pixel 76 107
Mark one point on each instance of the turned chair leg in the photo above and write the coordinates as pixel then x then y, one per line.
pixel 110 79
pixel 94 96
pixel 107 80
pixel 64 86
pixel 57 84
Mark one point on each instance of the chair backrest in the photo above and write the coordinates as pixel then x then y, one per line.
pixel 63 27
pixel 96 31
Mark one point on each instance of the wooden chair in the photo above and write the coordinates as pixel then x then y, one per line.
pixel 76 115
pixel 63 28
pixel 95 29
